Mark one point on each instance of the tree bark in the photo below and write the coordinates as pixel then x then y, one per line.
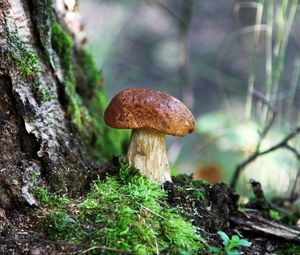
pixel 42 114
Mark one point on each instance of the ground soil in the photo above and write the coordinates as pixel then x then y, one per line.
pixel 208 207
pixel 213 212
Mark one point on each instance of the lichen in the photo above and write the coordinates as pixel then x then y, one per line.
pixel 42 93
pixel 27 62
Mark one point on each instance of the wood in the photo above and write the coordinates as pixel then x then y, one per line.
pixel 252 222
pixel 37 136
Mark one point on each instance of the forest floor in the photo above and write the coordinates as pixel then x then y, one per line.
pixel 210 208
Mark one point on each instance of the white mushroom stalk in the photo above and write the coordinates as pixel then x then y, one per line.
pixel 147 152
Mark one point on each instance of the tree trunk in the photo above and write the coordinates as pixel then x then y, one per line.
pixel 51 102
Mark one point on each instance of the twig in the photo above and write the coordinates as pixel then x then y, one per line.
pixel 104 248
pixel 293 195
pixel 252 222
pixel 4 240
pixel 146 208
pixel 263 134
pixel 282 144
pixel 293 150
pixel 167 9
pixel 261 98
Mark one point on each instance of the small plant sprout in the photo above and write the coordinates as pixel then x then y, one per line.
pixel 151 115
pixel 234 242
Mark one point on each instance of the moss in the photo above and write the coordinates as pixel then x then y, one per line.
pixel 60 224
pixel 62 43
pixel 52 200
pixel 106 141
pixel 86 98
pixel 101 141
pixel 126 212
pixel 42 93
pixel 275 215
pixel 289 249
pixel 86 72
pixel 26 62
pixel 74 110
pixel 57 179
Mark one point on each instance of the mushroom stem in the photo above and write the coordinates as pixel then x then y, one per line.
pixel 147 152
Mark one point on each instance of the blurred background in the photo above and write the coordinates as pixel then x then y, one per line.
pixel 212 55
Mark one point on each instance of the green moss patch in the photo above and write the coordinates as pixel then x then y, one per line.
pixel 87 75
pixel 104 139
pixel 126 212
pixel 86 99
pixel 289 249
pixel 62 43
pixel 27 64
pixel 26 61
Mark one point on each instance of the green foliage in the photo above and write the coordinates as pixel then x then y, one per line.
pixel 126 212
pixel 42 93
pixel 199 194
pixel 100 141
pixel 34 176
pixel 42 194
pixel 60 225
pixel 231 244
pixel 62 43
pixel 87 67
pixel 275 215
pixel 289 249
pixel 27 64
pixel 104 141
pixel 53 200
pixel 201 182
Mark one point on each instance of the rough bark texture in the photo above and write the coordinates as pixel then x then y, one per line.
pixel 253 223
pixel 38 134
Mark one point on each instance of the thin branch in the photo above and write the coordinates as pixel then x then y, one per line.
pixel 282 144
pixel 293 195
pixel 5 240
pixel 167 9
pixel 259 96
pixel 293 150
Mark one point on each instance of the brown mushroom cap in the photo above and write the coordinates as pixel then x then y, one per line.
pixel 145 108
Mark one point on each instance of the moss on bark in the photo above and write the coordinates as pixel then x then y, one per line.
pixel 87 100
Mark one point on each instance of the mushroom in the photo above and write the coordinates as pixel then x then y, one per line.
pixel 151 115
